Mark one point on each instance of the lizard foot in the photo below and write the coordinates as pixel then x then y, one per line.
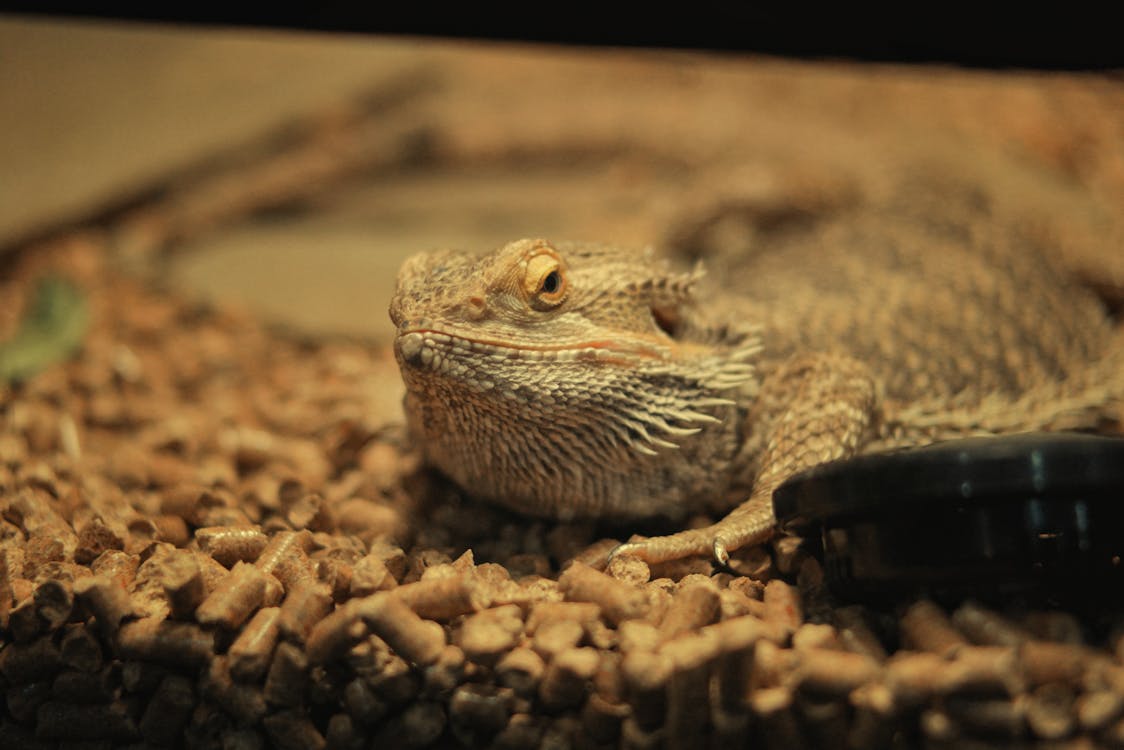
pixel 663 548
pixel 710 540
pixel 749 524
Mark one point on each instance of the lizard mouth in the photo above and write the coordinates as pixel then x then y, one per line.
pixel 432 349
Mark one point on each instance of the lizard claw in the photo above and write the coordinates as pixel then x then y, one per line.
pixel 721 553
pixel 723 561
pixel 627 548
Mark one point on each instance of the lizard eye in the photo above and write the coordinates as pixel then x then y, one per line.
pixel 545 281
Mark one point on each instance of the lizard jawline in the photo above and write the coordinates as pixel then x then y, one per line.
pixel 426 346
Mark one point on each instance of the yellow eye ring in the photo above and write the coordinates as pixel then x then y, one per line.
pixel 545 281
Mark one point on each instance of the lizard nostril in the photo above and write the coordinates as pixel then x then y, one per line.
pixel 410 324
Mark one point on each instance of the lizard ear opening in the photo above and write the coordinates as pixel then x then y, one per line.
pixel 668 319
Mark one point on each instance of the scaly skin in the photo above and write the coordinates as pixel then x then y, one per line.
pixel 572 380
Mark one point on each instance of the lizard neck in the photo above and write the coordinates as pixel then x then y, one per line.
pixel 609 430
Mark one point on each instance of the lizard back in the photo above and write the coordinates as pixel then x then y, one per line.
pixel 574 379
pixel 935 309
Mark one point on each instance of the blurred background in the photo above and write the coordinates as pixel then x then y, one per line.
pixel 292 171
pixel 149 168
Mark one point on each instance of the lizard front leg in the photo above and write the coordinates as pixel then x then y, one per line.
pixel 818 408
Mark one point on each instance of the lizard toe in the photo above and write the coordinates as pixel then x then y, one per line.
pixel 628 549
pixel 659 549
pixel 721 552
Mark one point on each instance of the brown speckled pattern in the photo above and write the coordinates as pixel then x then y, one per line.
pixel 878 328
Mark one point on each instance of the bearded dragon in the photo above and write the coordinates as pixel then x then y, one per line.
pixel 570 380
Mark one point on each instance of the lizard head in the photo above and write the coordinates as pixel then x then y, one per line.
pixel 541 375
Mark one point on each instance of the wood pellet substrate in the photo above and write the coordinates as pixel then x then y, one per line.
pixel 208 538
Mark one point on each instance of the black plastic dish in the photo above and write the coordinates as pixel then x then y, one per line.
pixel 1038 515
